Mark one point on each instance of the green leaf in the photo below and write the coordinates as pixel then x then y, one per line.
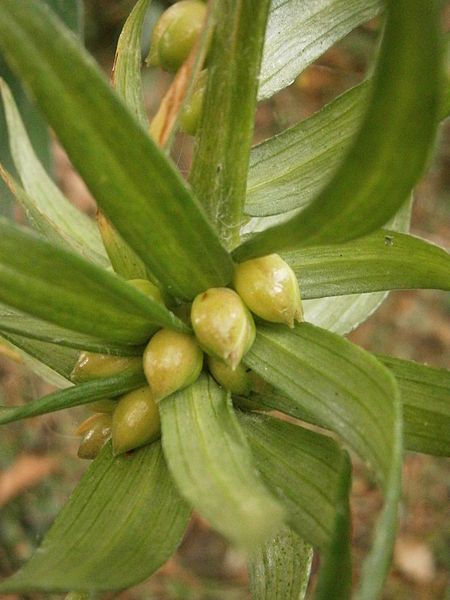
pixel 307 473
pixel 311 476
pixel 134 184
pixel 29 327
pixel 124 520
pixel 53 284
pixel 425 399
pixel 343 388
pixel 210 460
pixel 48 209
pixel 384 260
pixel 341 314
pixel 53 363
pixel 335 577
pixel 299 31
pixel 280 568
pixel 83 393
pixel 288 170
pixel 71 13
pixel 220 165
pixel 36 126
pixel 126 77
pixel 426 405
pixel 391 148
pixel 291 359
pixel 124 260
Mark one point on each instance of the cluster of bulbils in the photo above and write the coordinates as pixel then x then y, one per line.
pixel 220 318
pixel 224 330
pixel 173 38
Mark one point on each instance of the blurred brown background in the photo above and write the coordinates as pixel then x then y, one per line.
pixel 38 464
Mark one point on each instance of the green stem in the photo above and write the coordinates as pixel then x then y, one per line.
pixel 219 171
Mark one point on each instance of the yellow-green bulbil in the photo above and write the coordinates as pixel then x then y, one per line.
pixel 147 288
pixel 96 431
pixel 270 289
pixel 91 366
pixel 172 361
pixel 135 421
pixel 223 325
pixel 237 381
pixel 175 34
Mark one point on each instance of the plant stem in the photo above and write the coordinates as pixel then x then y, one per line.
pixel 219 171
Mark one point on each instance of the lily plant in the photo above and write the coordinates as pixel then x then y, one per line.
pixel 329 198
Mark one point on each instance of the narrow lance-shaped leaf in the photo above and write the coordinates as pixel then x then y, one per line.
pixel 384 260
pixel 37 130
pixel 16 322
pixel 392 147
pixel 280 568
pixel 210 460
pixel 344 389
pixel 51 226
pixel 299 31
pixel 124 260
pixel 288 170
pixel 311 475
pixel 134 184
pixel 123 521
pixel 71 12
pixel 52 363
pixel 56 285
pixel 126 79
pixel 126 76
pixel 425 399
pixel 335 576
pixel 219 170
pixel 49 210
pixel 426 405
pixel 83 393
pixel 307 473
pixel 328 395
